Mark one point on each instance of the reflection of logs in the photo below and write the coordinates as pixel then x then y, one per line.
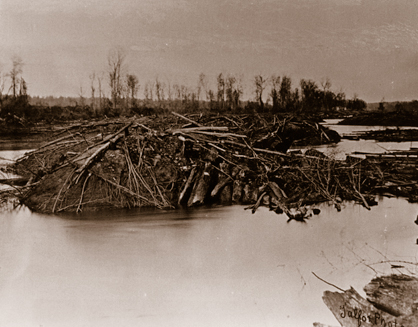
pixel 201 186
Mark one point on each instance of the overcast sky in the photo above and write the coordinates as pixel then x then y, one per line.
pixel 365 47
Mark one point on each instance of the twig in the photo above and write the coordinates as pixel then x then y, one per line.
pixel 82 193
pixel 185 118
pixel 323 280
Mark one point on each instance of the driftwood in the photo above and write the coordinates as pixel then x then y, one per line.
pixel 392 301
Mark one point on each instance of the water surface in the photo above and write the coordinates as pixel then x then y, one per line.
pixel 203 267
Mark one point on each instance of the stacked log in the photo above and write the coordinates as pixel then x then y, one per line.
pixel 188 161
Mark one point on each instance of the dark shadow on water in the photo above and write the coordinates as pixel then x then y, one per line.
pixel 173 217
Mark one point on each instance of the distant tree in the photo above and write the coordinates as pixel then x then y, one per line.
pixel 399 108
pixel 159 91
pixel 81 96
pixel 14 74
pixel 339 100
pixel 274 92
pixel 133 87
pixel 358 104
pixel 285 93
pixel 260 85
pixel 202 85
pixel 177 92
pixel 221 91
pixel 311 97
pixel 115 59
pixel 327 95
pixel 237 93
pixel 210 96
pixel 23 92
pixel 93 90
pixel 2 79
pixel 99 81
pixel 148 92
pixel 169 91
pixel 382 105
pixel 229 91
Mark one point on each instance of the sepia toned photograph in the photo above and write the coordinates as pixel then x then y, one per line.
pixel 195 163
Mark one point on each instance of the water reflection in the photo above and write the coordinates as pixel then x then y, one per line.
pixel 218 267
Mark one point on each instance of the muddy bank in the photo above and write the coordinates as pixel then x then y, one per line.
pixel 188 161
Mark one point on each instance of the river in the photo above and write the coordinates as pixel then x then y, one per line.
pixel 219 266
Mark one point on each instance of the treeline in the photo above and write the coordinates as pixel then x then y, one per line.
pixel 115 93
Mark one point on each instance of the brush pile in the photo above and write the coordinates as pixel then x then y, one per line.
pixel 176 160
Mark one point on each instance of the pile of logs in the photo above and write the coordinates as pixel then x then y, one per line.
pixel 188 161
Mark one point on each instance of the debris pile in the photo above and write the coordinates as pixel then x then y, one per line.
pixel 188 161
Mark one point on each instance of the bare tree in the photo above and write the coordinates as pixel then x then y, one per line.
pixel 2 80
pixel 159 90
pixel 93 90
pixel 23 88
pixel 285 92
pixel 99 81
pixel 81 96
pixel 260 85
pixel 221 91
pixel 148 91
pixel 169 91
pixel 115 59
pixel 14 73
pixel 202 85
pixel 274 92
pixel 237 92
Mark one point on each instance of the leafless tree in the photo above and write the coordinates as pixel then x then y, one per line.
pixel 202 85
pixel 159 90
pixel 221 91
pixel 99 81
pixel 260 85
pixel 229 90
pixel 285 92
pixel 2 80
pixel 148 91
pixel 81 96
pixel 115 59
pixel 93 90
pixel 14 74
pixel 169 91
pixel 23 88
pixel 274 92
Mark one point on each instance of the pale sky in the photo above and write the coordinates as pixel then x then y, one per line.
pixel 367 47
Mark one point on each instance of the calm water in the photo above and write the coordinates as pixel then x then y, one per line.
pixel 203 267
pixel 341 149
